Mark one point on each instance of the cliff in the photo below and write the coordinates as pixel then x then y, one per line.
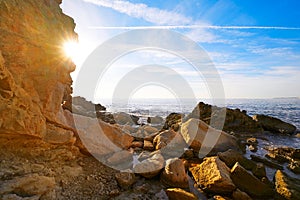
pixel 34 73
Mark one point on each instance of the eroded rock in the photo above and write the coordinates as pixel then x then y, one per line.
pixel 174 174
pixel 287 187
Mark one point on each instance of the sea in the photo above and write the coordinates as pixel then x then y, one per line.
pixel 286 109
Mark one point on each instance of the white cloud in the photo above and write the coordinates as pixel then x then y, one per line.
pixel 142 11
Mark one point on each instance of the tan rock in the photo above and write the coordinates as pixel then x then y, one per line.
pixel 174 174
pixel 56 135
pixel 125 179
pixel 230 157
pixel 213 175
pixel 249 183
pixel 148 145
pixel 29 185
pixel 99 137
pixel 198 135
pixel 120 158
pixel 151 166
pixel 180 194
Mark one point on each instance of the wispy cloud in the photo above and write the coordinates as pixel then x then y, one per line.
pixel 143 11
pixel 193 27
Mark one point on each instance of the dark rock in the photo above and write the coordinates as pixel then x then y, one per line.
pixel 249 183
pixel 287 187
pixel 173 118
pixel 235 121
pixel 259 171
pixel 274 125
pixel 266 162
pixel 155 120
pixel 240 195
pixel 230 157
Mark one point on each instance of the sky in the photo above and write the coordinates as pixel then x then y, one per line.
pixel 254 45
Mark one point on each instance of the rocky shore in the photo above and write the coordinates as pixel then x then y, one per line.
pixel 53 146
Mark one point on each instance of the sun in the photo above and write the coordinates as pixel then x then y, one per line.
pixel 71 49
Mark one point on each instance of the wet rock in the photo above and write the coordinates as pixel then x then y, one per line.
pixel 249 183
pixel 286 187
pixel 252 141
pixel 213 176
pixel 230 157
pixel 173 118
pixel 259 171
pixel 29 185
pixel 274 125
pixel 179 194
pixel 125 179
pixel 174 174
pixel 155 120
pixel 240 195
pixel 235 120
pixel 294 166
pixel 219 197
pixel 151 166
pixel 298 135
pixel 266 162
pixel 194 131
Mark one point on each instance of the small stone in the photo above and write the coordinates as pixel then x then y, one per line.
pixel 252 141
pixel 125 179
pixel 253 148
pixel 137 144
pixel 259 171
pixel 180 194
pixel 114 193
pixel 148 145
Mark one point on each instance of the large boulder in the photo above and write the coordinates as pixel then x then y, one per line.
pixel 125 119
pixel 273 124
pixel 235 120
pixel 100 138
pixel 172 119
pixel 174 174
pixel 198 135
pixel 249 183
pixel 287 187
pixel 213 176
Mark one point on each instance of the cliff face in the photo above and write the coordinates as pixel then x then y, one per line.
pixel 34 72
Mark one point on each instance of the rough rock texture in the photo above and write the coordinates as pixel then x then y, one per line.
pixel 172 119
pixel 101 138
pixel 34 75
pixel 249 183
pixel 125 179
pixel 230 157
pixel 236 120
pixel 240 195
pixel 168 138
pixel 213 176
pixel 151 166
pixel 30 185
pixel 155 120
pixel 180 194
pixel 194 131
pixel 174 174
pixel 274 125
pixel 287 187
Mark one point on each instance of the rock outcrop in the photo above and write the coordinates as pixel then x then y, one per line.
pixel 235 120
pixel 274 125
pixel 34 71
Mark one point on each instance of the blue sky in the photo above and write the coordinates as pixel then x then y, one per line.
pixel 253 62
